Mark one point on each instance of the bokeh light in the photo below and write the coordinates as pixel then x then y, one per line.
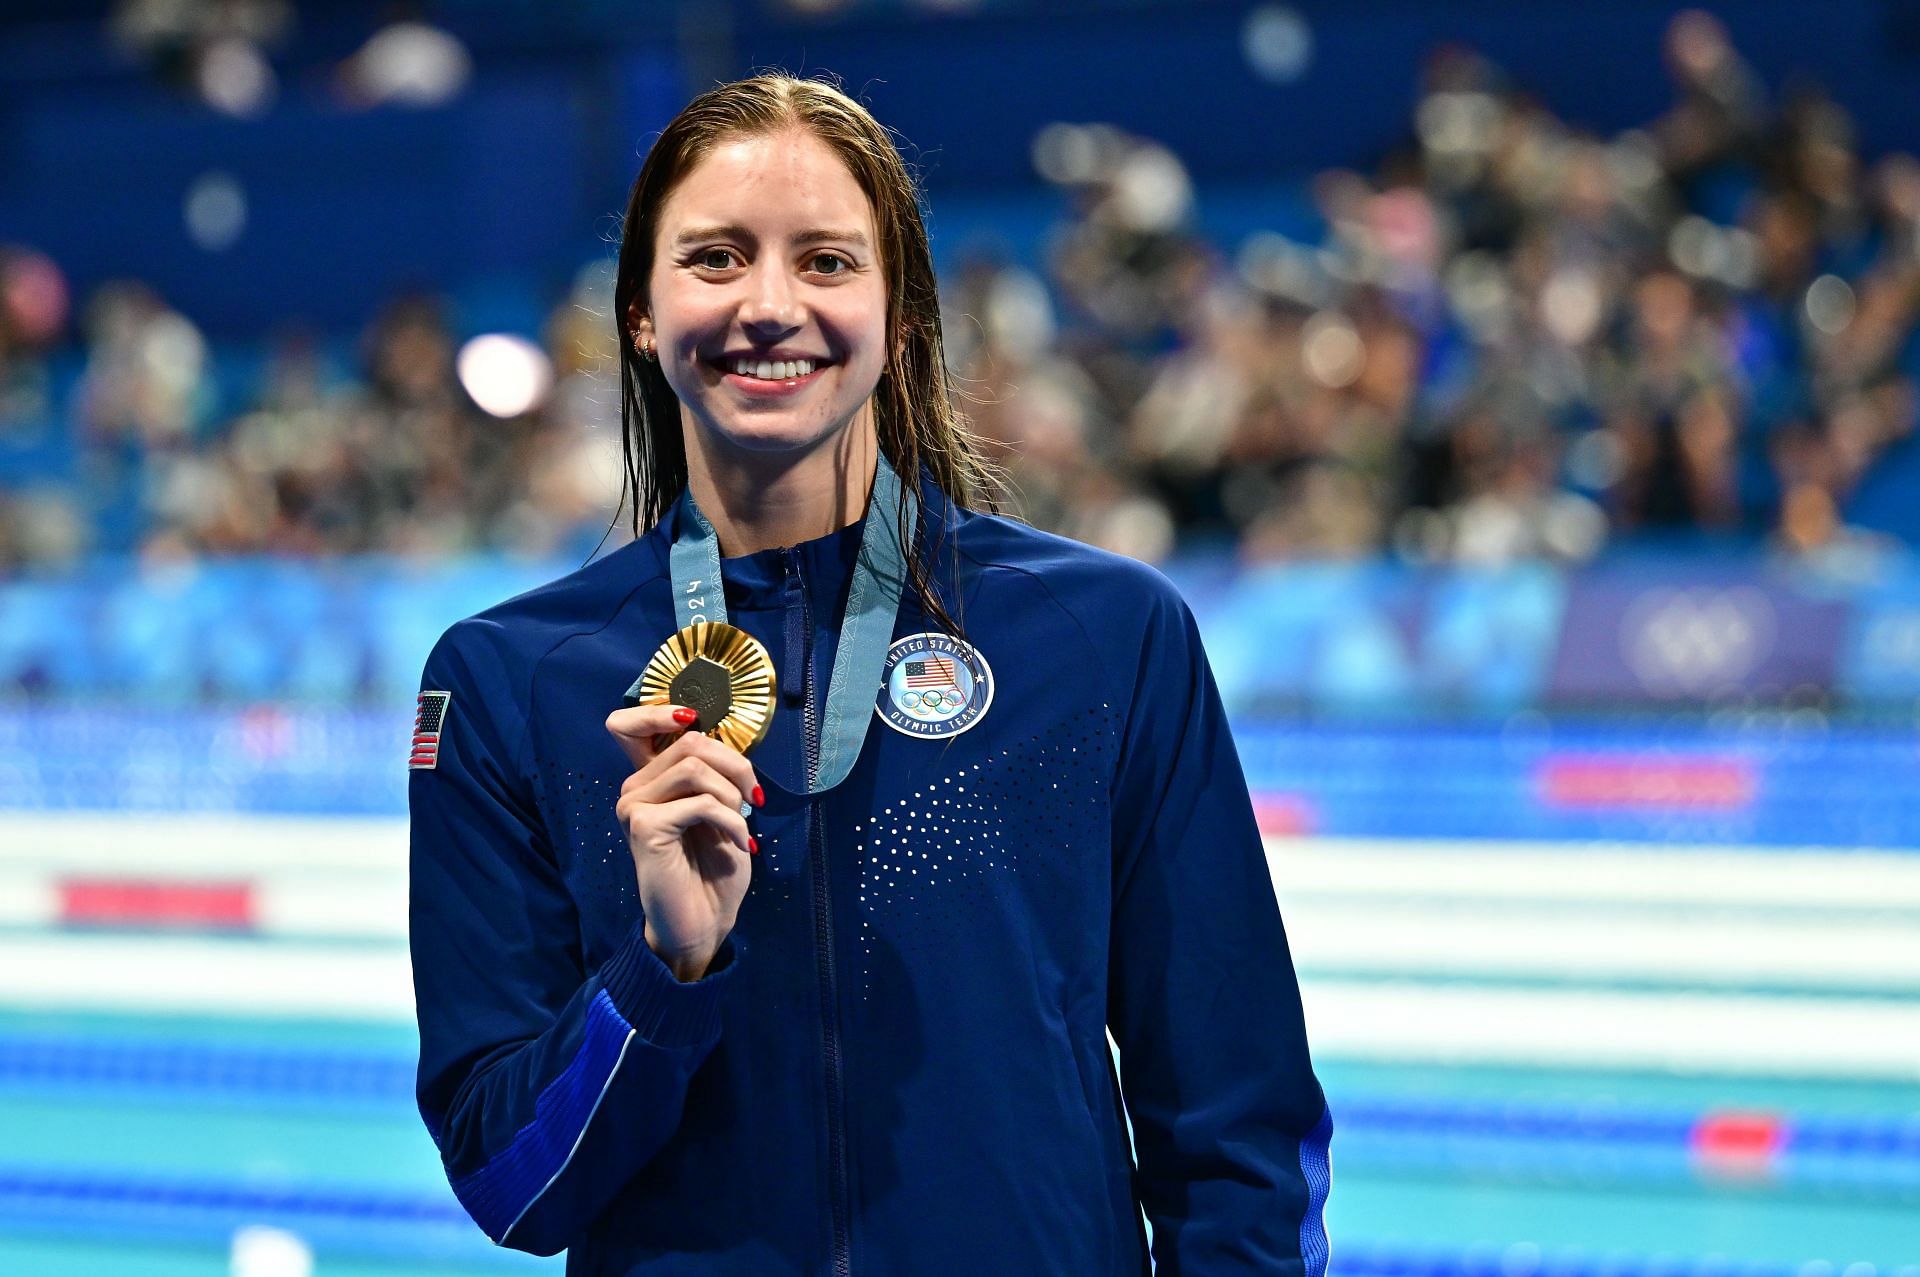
pixel 506 375
pixel 216 211
pixel 1278 43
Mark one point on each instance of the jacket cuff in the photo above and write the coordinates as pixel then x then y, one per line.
pixel 662 1010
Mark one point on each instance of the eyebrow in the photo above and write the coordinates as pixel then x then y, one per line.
pixel 812 235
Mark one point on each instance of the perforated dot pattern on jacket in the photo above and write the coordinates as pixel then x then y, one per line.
pixel 932 861
pixel 587 803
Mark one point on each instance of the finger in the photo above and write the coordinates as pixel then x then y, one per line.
pixel 729 762
pixel 683 779
pixel 705 809
pixel 723 758
pixel 638 728
pixel 669 752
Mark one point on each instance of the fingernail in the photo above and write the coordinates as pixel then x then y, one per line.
pixel 686 717
pixel 759 797
pixel 753 844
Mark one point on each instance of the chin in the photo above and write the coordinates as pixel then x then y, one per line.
pixel 769 437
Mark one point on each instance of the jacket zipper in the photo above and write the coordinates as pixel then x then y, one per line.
pixel 822 930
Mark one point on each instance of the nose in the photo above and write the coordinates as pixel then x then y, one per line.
pixel 773 303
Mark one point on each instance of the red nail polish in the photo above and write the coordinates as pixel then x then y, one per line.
pixel 759 797
pixel 753 844
pixel 686 717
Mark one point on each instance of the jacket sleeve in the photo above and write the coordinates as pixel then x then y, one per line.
pixel 1230 1126
pixel 546 1085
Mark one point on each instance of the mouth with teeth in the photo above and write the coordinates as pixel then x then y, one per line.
pixel 770 376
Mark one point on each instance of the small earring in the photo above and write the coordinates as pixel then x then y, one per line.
pixel 645 347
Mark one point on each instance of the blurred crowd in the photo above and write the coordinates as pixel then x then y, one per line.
pixel 391 453
pixel 1512 340
pixel 220 53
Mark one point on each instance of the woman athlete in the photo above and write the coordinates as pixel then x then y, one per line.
pixel 842 1005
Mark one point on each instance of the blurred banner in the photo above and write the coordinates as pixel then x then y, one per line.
pixel 1709 700
pixel 1373 638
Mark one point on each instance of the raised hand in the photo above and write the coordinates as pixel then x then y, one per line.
pixel 690 844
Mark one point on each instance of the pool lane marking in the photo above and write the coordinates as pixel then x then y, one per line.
pixel 1739 1034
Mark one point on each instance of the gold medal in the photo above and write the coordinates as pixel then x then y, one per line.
pixel 722 673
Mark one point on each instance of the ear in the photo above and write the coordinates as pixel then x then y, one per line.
pixel 638 320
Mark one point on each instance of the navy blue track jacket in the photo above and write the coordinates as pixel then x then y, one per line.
pixel 898 1063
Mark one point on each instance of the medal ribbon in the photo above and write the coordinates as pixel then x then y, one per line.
pixel 873 600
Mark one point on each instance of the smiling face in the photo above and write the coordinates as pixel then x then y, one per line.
pixel 768 302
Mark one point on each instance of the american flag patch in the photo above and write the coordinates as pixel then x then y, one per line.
pixel 931 671
pixel 430 712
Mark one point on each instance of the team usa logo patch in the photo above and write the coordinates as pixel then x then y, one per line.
pixel 934 685
pixel 429 715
